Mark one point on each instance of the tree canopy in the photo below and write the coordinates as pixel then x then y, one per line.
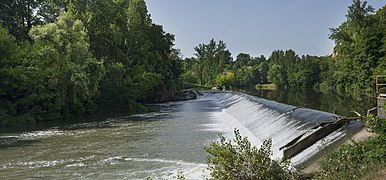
pixel 62 58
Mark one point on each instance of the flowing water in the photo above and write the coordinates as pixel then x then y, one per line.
pixel 157 144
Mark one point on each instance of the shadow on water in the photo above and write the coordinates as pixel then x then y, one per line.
pixel 86 121
pixel 343 105
pixel 11 142
pixel 14 136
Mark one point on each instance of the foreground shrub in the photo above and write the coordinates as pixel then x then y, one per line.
pixel 238 160
pixel 355 160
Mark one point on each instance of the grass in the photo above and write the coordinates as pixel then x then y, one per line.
pixel 363 160
pixel 265 86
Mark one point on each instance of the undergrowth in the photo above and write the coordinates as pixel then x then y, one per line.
pixel 357 160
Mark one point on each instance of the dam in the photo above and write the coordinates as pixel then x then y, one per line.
pixel 159 144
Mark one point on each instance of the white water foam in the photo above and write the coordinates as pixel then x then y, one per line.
pixel 260 119
pixel 42 134
pixel 163 169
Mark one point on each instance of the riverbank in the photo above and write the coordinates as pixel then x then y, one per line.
pixel 362 156
pixel 361 135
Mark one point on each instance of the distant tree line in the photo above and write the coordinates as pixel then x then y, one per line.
pixel 62 58
pixel 359 55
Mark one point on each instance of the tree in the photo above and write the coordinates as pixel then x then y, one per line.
pixel 358 45
pixel 211 59
pixel 95 54
pixel 307 73
pixel 75 74
pixel 242 60
pixel 277 75
pixel 225 80
pixel 8 61
pixel 263 69
pixel 18 16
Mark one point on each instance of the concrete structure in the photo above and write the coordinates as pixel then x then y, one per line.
pixel 307 139
pixel 381 96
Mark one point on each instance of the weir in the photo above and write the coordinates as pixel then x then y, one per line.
pixel 294 130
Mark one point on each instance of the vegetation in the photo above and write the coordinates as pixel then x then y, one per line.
pixel 359 55
pixel 239 160
pixel 63 58
pixel 359 45
pixel 358 160
pixel 265 87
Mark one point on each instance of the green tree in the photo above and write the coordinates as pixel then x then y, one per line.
pixel 124 36
pixel 211 60
pixel 307 73
pixel 278 75
pixel 358 47
pixel 74 73
pixel 225 80
pixel 263 69
pixel 8 61
pixel 18 16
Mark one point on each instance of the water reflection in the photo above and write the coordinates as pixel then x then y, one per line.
pixel 330 102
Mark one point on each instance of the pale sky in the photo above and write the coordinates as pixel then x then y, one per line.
pixel 256 27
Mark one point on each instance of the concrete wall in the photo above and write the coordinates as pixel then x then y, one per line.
pixel 381 101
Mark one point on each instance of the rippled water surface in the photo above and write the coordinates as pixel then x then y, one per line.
pixel 149 145
pixel 157 144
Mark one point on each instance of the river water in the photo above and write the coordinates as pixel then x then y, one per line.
pixel 157 144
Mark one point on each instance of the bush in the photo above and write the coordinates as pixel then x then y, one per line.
pixel 238 160
pixel 376 124
pixel 355 160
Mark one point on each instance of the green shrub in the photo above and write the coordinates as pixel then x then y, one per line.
pixel 355 160
pixel 238 160
pixel 376 124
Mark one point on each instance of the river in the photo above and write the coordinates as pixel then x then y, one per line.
pixel 156 144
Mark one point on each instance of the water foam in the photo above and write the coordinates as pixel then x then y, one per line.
pixel 261 119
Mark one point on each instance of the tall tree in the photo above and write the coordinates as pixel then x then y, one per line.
pixel 75 75
pixel 18 16
pixel 211 60
pixel 358 43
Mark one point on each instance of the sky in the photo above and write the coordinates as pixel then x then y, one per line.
pixel 255 27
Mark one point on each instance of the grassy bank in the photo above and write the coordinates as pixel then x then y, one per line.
pixel 265 87
pixel 358 160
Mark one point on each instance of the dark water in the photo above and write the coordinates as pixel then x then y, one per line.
pixel 157 145
pixel 161 143
pixel 340 104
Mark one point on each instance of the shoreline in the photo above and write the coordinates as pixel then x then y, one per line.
pixel 357 136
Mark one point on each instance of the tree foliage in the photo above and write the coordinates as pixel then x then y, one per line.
pixel 359 48
pixel 75 75
pixel 359 55
pixel 82 56
pixel 211 60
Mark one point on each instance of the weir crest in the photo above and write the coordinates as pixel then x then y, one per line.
pixel 260 119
